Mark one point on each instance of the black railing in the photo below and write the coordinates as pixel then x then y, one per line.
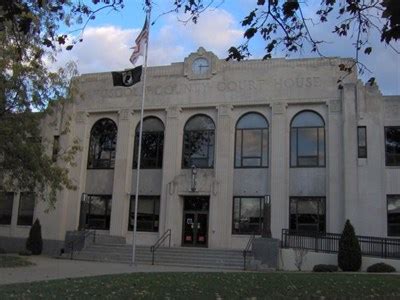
pixel 247 250
pixel 160 241
pixel 329 243
pixel 80 240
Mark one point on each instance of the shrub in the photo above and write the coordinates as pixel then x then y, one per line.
pixel 381 268
pixel 325 268
pixel 35 242
pixel 349 256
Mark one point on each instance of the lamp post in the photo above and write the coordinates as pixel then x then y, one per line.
pixel 266 228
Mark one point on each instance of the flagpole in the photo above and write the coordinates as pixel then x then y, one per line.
pixel 148 15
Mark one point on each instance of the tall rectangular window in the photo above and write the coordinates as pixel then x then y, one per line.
pixel 56 147
pixel 307 214
pixel 26 208
pixel 6 205
pixel 247 215
pixel 392 146
pixel 393 227
pixel 96 212
pixel 362 141
pixel 148 213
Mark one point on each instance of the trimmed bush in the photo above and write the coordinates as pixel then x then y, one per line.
pixel 35 242
pixel 325 268
pixel 349 256
pixel 381 268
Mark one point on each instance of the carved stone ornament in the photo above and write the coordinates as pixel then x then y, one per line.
pixel 124 114
pixel 173 111
pixel 224 109
pixel 81 117
pixel 335 106
pixel 200 65
pixel 278 108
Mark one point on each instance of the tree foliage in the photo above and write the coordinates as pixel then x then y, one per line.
pixel 27 87
pixel 349 256
pixel 284 27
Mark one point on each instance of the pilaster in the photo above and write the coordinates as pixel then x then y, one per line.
pixel 122 174
pixel 279 169
pixel 334 158
pixel 350 168
pixel 78 174
pixel 221 208
pixel 169 205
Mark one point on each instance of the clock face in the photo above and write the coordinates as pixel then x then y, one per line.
pixel 200 66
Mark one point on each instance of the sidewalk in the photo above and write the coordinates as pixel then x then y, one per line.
pixel 48 268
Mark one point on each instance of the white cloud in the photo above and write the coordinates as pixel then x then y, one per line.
pixel 107 48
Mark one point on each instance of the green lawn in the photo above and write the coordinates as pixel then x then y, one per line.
pixel 210 286
pixel 8 261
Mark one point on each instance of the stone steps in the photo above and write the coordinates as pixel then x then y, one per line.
pixel 179 256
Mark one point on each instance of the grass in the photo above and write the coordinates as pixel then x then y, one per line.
pixel 8 261
pixel 211 286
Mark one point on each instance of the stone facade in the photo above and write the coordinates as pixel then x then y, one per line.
pixel 278 89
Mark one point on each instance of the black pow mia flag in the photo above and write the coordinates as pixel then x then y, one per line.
pixel 128 77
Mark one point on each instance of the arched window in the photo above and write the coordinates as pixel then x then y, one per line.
pixel 307 140
pixel 152 144
pixel 251 141
pixel 103 140
pixel 198 142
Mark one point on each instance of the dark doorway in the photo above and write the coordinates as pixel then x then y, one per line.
pixel 195 221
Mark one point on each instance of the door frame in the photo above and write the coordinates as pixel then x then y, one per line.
pixel 196 213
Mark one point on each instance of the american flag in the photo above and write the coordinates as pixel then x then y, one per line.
pixel 140 42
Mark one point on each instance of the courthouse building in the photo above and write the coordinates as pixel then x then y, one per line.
pixel 221 140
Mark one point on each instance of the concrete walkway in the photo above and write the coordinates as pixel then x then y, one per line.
pixel 48 268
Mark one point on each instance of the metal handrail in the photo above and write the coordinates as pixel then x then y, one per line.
pixel 81 238
pixel 159 242
pixel 329 243
pixel 247 249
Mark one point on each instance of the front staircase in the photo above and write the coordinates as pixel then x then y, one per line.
pixel 114 249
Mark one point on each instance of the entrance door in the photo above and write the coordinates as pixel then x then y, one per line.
pixel 195 221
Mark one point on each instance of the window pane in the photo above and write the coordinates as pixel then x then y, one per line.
pixel 148 213
pixel 321 146
pixel 252 120
pixel 307 142
pixel 307 214
pixel 252 140
pixel 393 215
pixel 238 152
pixel 362 139
pixel 6 205
pixel 265 148
pixel 26 207
pixel 103 140
pixel 96 212
pixel 200 122
pixel 307 119
pixel 392 146
pixel 151 124
pixel 250 215
pixel 198 149
pixel 293 147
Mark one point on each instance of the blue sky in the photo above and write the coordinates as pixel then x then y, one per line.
pixel 107 39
